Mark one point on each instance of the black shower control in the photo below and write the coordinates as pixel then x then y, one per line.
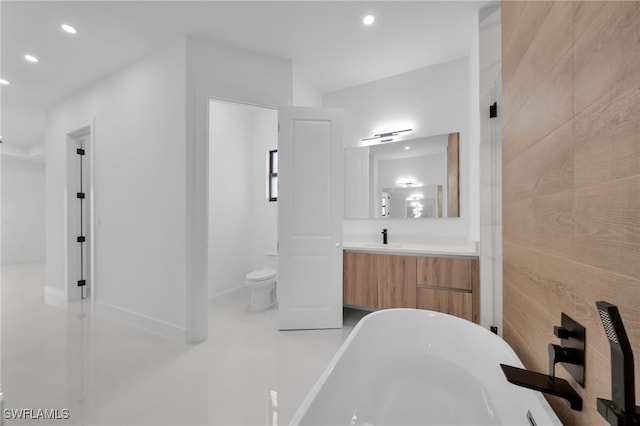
pixel 82 283
pixel 80 151
pixel 81 239
pixel 570 353
pixel 621 409
pixel 572 341
pixel 561 332
pixel 80 195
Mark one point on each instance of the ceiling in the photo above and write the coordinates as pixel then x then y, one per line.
pixel 326 41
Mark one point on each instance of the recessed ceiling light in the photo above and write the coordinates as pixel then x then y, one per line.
pixel 3 81
pixel 406 147
pixel 31 58
pixel 368 20
pixel 68 28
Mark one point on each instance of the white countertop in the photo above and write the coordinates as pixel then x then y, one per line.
pixel 458 248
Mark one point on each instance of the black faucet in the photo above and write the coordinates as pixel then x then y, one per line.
pixel 571 354
pixel 543 383
pixel 384 236
pixel 621 409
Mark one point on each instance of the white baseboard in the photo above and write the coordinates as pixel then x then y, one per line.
pixel 226 292
pixel 146 322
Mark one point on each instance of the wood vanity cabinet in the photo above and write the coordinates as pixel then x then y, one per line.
pixel 449 285
pixel 379 281
pixel 443 284
pixel 360 280
pixel 396 281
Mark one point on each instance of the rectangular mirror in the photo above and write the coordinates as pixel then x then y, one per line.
pixel 407 179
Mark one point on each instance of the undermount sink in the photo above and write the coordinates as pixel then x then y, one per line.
pixel 380 245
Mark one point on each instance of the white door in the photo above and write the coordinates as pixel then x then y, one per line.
pixel 310 213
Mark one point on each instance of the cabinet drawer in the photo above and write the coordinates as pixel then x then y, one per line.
pixel 458 303
pixel 447 272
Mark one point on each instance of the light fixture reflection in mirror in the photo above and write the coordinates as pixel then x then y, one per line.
pixel 407 203
pixel 390 181
pixel 409 183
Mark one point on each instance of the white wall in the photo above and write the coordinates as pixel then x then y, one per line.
pixel 230 193
pixel 304 93
pixel 475 112
pixel 432 100
pixel 138 123
pixel 265 212
pixel 242 221
pixel 224 73
pixel 490 90
pixel 23 210
pixel 357 180
pixel 151 171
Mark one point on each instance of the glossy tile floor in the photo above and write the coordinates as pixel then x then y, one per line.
pixel 106 372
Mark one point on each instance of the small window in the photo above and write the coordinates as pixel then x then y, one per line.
pixel 273 175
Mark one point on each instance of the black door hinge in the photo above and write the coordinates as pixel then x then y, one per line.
pixel 493 110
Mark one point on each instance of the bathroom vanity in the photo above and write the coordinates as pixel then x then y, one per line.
pixel 402 276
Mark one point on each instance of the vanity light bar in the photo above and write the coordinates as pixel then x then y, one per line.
pixel 388 136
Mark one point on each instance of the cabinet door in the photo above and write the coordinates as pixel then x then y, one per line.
pixel 447 272
pixel 396 281
pixel 450 285
pixel 360 280
pixel 456 303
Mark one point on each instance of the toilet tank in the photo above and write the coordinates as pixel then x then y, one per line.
pixel 271 260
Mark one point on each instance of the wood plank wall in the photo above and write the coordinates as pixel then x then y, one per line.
pixel 453 175
pixel 571 181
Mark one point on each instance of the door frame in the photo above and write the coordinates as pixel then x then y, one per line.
pixel 89 188
pixel 208 171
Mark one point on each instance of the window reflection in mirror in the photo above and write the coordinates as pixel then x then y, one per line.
pixel 409 179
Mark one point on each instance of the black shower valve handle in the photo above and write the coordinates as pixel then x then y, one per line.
pixel 562 332
pixel 559 354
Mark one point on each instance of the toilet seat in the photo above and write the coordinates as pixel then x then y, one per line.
pixel 261 275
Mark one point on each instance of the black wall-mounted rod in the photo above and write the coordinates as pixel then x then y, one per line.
pixel 82 282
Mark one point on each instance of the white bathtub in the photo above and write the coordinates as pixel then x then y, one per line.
pixel 417 367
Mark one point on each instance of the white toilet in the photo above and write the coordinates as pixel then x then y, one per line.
pixel 263 283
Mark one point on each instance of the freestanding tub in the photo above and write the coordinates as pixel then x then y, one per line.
pixel 417 367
